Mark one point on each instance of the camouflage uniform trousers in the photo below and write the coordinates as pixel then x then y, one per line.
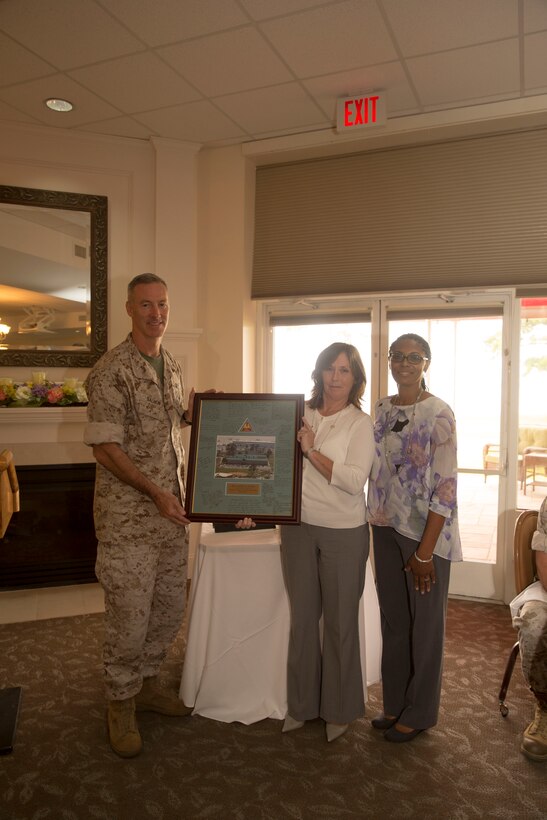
pixel 145 594
pixel 531 623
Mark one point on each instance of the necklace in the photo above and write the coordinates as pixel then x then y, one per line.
pixel 317 421
pixel 391 434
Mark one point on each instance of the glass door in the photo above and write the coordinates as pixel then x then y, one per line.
pixel 295 348
pixel 469 370
pixel 532 420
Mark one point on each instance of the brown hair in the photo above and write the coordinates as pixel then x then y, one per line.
pixel 324 361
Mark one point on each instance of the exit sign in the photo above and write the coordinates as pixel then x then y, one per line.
pixel 361 111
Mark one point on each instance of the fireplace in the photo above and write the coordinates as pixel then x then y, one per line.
pixel 51 541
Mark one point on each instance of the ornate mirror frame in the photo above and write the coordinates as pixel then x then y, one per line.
pixel 97 207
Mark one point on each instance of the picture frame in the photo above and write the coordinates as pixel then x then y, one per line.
pixel 244 458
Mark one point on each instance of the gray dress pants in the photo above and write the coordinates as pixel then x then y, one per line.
pixel 324 573
pixel 413 628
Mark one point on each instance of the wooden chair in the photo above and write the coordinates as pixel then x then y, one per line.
pixel 525 571
pixel 9 490
pixel 490 458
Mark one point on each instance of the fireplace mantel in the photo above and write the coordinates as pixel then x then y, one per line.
pixel 44 435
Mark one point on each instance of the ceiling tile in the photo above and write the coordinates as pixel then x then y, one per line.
pixel 118 127
pixel 196 122
pixel 467 74
pixel 17 64
pixel 67 33
pixel 29 98
pixel 137 83
pixel 389 77
pixel 332 38
pixel 425 26
pixel 108 58
pixel 231 61
pixel 535 64
pixel 535 15
pixel 262 9
pixel 281 107
pixel 10 114
pixel 175 20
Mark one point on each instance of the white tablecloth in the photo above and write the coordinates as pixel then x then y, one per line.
pixel 238 632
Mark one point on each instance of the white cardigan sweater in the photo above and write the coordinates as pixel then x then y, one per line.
pixel 346 438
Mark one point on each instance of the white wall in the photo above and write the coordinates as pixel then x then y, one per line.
pixel 152 221
pixel 226 313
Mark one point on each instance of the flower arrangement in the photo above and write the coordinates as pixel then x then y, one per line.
pixel 40 392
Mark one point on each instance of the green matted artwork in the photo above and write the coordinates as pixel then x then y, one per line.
pixel 244 458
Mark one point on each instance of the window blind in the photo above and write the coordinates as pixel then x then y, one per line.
pixel 471 213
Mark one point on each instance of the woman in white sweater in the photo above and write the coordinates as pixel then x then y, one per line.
pixel 324 558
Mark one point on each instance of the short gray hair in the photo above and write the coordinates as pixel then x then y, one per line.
pixel 144 279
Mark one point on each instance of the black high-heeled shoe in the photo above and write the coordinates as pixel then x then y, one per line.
pixel 382 722
pixel 395 736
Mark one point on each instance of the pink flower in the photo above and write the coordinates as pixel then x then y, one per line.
pixel 3 396
pixel 417 455
pixel 54 395
pixel 446 492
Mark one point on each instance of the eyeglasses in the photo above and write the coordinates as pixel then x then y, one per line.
pixel 411 358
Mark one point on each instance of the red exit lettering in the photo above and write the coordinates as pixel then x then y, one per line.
pixel 360 111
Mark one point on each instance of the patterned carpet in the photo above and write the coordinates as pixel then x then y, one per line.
pixel 469 766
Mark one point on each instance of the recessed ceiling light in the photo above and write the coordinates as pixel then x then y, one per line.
pixel 59 105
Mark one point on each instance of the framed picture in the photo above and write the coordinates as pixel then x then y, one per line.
pixel 244 458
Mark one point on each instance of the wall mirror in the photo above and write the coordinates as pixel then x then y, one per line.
pixel 53 277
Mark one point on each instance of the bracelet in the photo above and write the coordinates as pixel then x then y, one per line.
pixel 308 451
pixel 421 560
pixel 185 420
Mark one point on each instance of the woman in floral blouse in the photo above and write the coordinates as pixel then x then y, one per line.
pixel 413 512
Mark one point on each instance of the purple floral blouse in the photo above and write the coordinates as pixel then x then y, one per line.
pixel 415 470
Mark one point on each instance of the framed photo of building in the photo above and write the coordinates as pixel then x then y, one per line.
pixel 244 458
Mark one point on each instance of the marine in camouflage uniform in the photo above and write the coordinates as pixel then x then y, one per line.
pixel 136 404
pixel 530 618
pixel 141 558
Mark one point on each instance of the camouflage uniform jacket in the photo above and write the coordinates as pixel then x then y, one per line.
pixel 127 407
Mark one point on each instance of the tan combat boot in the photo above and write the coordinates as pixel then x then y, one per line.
pixel 534 739
pixel 123 731
pixel 152 699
